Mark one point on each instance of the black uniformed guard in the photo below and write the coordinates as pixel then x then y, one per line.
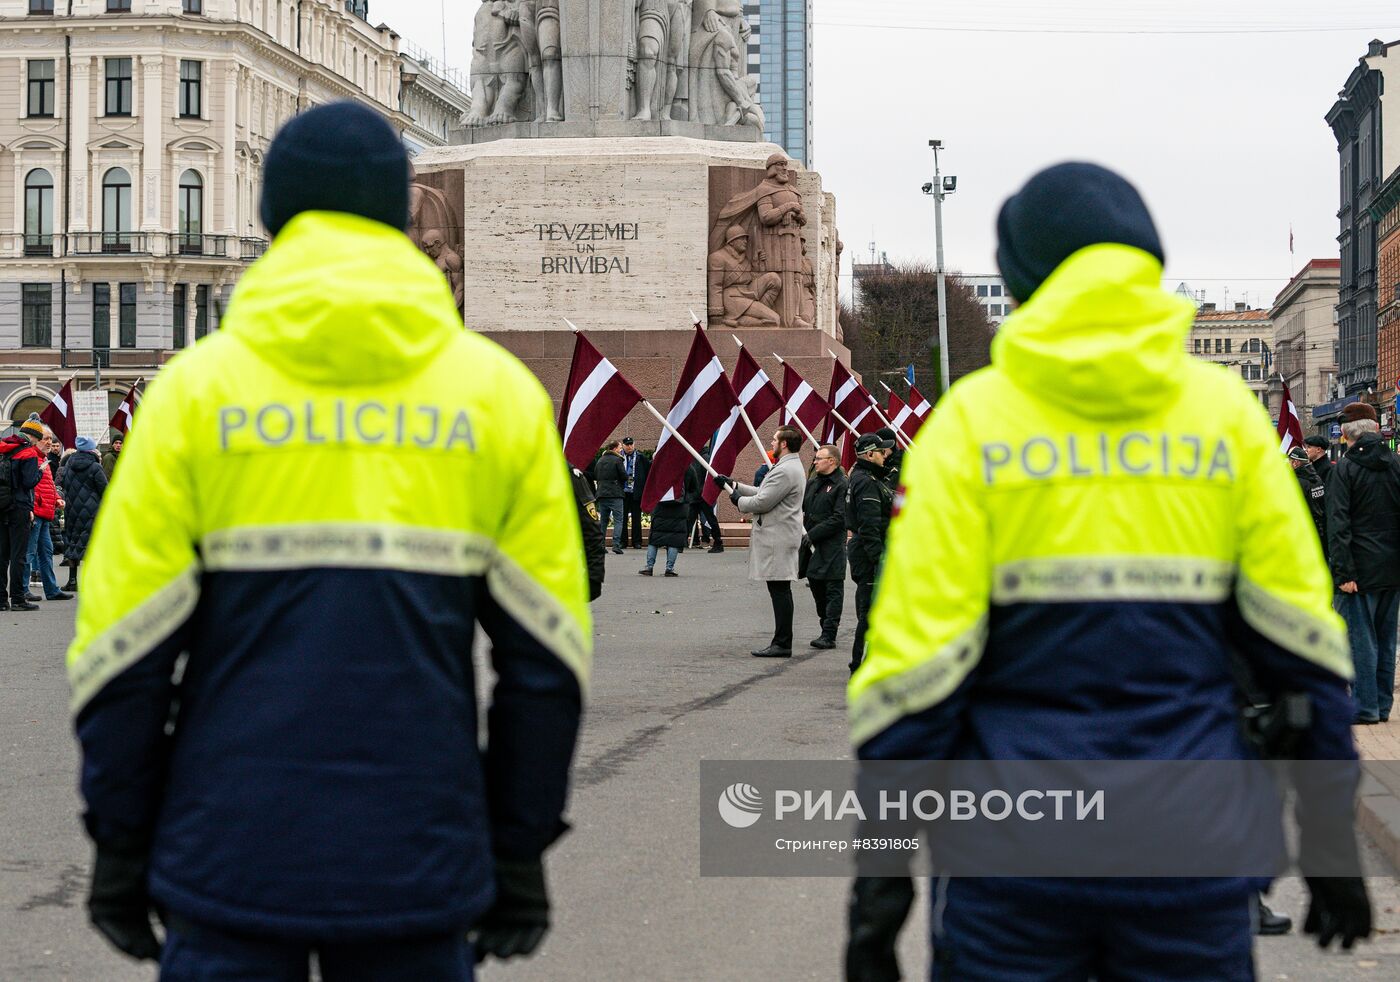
pixel 869 504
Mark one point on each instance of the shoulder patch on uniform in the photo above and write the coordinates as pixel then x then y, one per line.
pixel 592 510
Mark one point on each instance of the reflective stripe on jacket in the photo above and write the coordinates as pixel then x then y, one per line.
pixel 320 503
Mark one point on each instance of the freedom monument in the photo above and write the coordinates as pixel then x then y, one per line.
pixel 612 172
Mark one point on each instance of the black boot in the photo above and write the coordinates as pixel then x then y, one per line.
pixel 72 585
pixel 826 642
pixel 1271 923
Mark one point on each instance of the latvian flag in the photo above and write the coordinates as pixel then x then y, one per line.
pixel 852 402
pixel 1290 427
pixel 703 401
pixel 760 399
pixel 60 417
pixel 596 402
pixel 801 401
pixel 126 412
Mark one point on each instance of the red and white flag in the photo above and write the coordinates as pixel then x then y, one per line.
pixel 703 401
pixel 60 417
pixel 121 419
pixel 801 401
pixel 921 406
pixel 901 414
pixel 1290 427
pixel 596 402
pixel 760 399
pixel 850 400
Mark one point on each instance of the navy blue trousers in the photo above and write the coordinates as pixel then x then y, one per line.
pixel 197 954
pixel 983 934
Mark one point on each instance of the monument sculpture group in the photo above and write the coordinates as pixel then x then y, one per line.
pixel 685 61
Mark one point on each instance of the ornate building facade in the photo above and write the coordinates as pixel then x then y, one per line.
pixel 132 135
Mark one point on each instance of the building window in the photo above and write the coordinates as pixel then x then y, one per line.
pixel 191 213
pixel 101 316
pixel 36 302
pixel 1197 347
pixel 201 311
pixel 194 6
pixel 126 324
pixel 116 211
pixel 982 290
pixel 190 78
pixel 38 213
pixel 1229 345
pixel 177 334
pixel 1244 372
pixel 41 88
pixel 118 6
pixel 118 87
pixel 41 6
pixel 996 289
pixel 1219 346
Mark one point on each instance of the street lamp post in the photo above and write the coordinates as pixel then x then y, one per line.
pixel 940 188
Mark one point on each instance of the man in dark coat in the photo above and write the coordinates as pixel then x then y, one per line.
pixel 611 477
pixel 1314 492
pixel 1319 450
pixel 109 459
pixel 84 482
pixel 699 508
pixel 595 544
pixel 1363 533
pixel 22 473
pixel 869 503
pixel 824 545
pixel 635 466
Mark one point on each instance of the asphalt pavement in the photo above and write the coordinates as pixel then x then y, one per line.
pixel 673 685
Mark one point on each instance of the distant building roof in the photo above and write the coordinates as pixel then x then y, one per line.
pixel 1232 315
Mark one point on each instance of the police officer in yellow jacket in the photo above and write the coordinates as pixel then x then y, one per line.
pixel 272 677
pixel 1085 531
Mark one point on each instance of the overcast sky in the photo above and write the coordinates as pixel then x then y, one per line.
pixel 1213 107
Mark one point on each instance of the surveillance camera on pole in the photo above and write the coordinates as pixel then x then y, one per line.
pixel 939 188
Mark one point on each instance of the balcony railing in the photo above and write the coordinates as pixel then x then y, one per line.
pixel 109 243
pixel 187 244
pixel 250 249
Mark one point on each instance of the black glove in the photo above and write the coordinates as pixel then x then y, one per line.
pixel 723 481
pixel 118 904
pixel 879 908
pixel 517 923
pixel 1340 908
pixel 806 542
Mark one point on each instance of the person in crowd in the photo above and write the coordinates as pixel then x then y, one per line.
pixel 84 484
pixel 670 530
pixel 824 545
pixel 1363 539
pixel 46 505
pixel 332 789
pixel 635 466
pixel 1005 627
pixel 762 471
pixel 19 476
pixel 609 472
pixel 1319 450
pixel 701 511
pixel 776 537
pixel 109 459
pixel 895 461
pixel 1314 491
pixel 869 504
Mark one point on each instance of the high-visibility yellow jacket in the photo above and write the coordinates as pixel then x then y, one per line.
pixel 318 503
pixel 1086 530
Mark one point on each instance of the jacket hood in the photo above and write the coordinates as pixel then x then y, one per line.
pixel 1371 452
pixel 340 299
pixel 1101 337
pixel 14 444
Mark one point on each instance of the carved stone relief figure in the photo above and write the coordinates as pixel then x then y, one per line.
pixel 435 245
pixel 501 62
pixel 774 216
pixel 540 20
pixel 807 305
pixel 661 57
pixel 720 91
pixel 739 296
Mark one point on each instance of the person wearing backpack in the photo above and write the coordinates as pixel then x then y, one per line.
pixel 19 474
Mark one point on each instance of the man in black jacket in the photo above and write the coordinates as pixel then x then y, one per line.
pixel 20 471
pixel 1314 491
pixel 611 477
pixel 1319 450
pixel 698 507
pixel 595 543
pixel 824 545
pixel 635 466
pixel 1363 532
pixel 869 502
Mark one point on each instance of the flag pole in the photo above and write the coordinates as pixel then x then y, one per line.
pixel 682 440
pixel 898 436
pixel 795 418
pixel 753 432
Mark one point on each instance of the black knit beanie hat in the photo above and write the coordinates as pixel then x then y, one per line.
pixel 1064 209
pixel 340 157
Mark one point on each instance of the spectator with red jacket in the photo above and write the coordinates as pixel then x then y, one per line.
pixel 19 475
pixel 46 505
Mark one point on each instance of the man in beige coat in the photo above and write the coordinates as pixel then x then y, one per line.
pixel 777 531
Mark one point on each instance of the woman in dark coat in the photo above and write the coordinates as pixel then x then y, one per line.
pixel 84 483
pixel 824 546
pixel 670 530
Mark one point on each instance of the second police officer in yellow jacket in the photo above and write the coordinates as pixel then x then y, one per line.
pixel 272 676
pixel 1093 524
